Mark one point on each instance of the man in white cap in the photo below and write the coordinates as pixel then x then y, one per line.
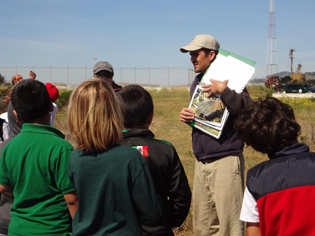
pixel 104 70
pixel 219 167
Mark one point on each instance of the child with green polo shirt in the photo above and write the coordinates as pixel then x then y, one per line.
pixel 34 165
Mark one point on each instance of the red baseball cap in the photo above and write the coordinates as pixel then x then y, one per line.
pixel 53 91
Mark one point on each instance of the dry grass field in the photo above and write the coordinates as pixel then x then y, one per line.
pixel 166 125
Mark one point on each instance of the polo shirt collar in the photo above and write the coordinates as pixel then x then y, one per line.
pixel 44 129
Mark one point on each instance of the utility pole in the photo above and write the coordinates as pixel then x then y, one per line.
pixel 291 59
pixel 272 61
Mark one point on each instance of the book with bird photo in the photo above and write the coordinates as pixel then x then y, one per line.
pixel 208 111
pixel 211 113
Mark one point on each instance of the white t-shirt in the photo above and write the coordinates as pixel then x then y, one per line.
pixel 5 126
pixel 249 212
pixel 52 114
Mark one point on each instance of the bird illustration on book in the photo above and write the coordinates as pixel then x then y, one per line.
pixel 210 109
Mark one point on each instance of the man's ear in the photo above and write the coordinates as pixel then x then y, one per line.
pixel 150 118
pixel 18 119
pixel 51 107
pixel 211 55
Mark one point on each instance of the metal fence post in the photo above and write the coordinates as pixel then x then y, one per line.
pixel 121 80
pixel 68 75
pixel 168 76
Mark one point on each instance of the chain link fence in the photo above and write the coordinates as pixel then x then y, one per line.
pixel 71 76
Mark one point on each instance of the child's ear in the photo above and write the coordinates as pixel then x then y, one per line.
pixel 18 119
pixel 51 107
pixel 150 118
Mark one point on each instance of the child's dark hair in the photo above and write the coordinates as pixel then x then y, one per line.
pixel 267 125
pixel 30 100
pixel 136 105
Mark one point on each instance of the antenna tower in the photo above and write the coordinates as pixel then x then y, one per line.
pixel 272 61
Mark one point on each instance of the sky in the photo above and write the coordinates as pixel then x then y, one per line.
pixel 142 33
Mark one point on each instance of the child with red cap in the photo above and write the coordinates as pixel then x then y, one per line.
pixel 54 95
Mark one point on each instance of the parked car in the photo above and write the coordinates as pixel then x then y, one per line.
pixel 299 88
pixel 310 88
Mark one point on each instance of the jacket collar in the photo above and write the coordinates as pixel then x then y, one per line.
pixel 296 148
pixel 137 133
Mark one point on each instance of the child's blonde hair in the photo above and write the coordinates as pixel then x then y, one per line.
pixel 94 116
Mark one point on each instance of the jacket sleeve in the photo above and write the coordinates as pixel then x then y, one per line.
pixel 234 101
pixel 179 193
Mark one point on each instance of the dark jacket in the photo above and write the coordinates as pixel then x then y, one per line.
pixel 207 147
pixel 284 189
pixel 169 179
pixel 5 202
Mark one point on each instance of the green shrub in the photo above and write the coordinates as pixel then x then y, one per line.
pixel 5 90
pixel 63 99
pixel 2 79
pixel 257 91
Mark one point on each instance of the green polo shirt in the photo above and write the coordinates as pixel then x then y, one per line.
pixel 35 163
pixel 114 189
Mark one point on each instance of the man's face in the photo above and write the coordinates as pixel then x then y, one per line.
pixel 200 60
pixel 106 76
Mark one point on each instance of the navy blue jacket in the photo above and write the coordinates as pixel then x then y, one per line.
pixel 207 147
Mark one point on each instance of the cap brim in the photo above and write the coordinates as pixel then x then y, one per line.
pixel 102 69
pixel 190 48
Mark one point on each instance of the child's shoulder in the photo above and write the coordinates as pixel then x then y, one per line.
pixel 56 142
pixel 125 150
pixel 165 141
pixel 43 137
pixel 116 150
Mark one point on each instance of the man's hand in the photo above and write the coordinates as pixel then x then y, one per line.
pixel 32 75
pixel 187 115
pixel 217 87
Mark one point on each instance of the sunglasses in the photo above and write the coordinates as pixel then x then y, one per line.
pixel 106 75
